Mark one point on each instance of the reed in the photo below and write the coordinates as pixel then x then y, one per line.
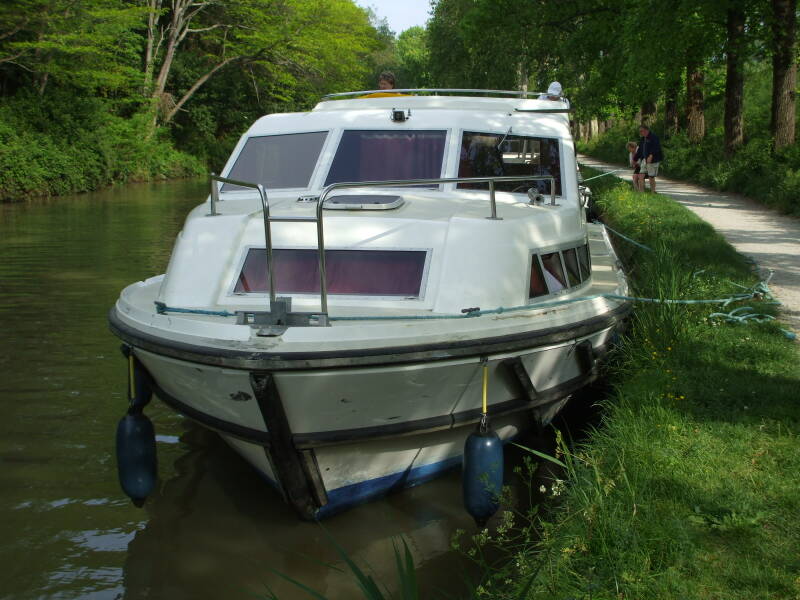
pixel 407 586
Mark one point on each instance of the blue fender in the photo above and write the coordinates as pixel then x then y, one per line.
pixel 482 479
pixel 136 456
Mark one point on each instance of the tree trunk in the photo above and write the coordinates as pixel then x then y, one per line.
pixel 695 117
pixel 648 112
pixel 671 109
pixel 43 83
pixel 182 13
pixel 784 73
pixel 593 128
pixel 734 83
pixel 196 86
pixel 152 46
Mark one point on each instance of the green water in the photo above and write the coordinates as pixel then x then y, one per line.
pixel 213 529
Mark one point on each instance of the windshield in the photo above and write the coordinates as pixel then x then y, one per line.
pixel 493 154
pixel 388 155
pixel 277 161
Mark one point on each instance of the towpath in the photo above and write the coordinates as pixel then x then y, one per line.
pixel 768 237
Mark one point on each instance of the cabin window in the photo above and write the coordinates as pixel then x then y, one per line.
pixel 349 272
pixel 571 262
pixel 554 272
pixel 388 155
pixel 538 287
pixel 498 154
pixel 584 261
pixel 277 161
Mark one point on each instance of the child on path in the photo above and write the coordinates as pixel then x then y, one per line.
pixel 632 147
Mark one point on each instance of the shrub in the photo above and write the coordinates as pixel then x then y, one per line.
pixel 65 144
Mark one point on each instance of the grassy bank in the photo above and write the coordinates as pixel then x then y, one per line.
pixel 689 488
pixel 69 144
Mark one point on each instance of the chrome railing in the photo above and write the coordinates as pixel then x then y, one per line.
pixel 436 91
pixel 320 204
pixel 466 92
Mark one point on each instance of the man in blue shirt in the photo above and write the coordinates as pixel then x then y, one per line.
pixel 649 155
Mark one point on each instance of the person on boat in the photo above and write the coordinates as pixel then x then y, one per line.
pixel 386 81
pixel 649 155
pixel 554 92
pixel 386 85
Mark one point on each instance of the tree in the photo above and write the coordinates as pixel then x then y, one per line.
pixel 414 58
pixel 734 80
pixel 282 39
pixel 784 72
pixel 89 45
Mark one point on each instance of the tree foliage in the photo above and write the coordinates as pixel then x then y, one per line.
pixel 618 58
pixel 196 72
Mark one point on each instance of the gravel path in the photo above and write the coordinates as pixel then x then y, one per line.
pixel 769 238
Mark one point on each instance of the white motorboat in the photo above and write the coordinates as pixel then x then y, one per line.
pixel 454 235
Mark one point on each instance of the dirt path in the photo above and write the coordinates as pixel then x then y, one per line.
pixel 769 238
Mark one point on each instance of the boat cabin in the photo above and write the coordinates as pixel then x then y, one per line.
pixel 426 242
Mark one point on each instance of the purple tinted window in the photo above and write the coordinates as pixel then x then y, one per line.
pixel 356 272
pixel 388 155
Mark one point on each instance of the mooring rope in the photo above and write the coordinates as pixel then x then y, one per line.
pixel 756 292
pixel 603 175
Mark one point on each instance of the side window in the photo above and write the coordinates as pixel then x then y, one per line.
pixel 554 272
pixel 495 154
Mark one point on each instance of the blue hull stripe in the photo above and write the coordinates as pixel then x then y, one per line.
pixel 357 493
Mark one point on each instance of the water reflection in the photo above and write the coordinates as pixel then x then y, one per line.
pixel 216 526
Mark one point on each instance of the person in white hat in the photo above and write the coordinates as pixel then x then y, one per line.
pixel 553 92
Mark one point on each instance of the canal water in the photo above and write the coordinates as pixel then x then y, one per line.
pixel 213 529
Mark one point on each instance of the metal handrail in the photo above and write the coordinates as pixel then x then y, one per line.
pixel 318 219
pixel 262 193
pixel 437 91
pixel 517 93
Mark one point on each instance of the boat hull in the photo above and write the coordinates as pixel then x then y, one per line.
pixel 330 437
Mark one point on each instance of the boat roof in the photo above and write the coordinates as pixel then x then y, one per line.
pixel 479 110
pixel 453 99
